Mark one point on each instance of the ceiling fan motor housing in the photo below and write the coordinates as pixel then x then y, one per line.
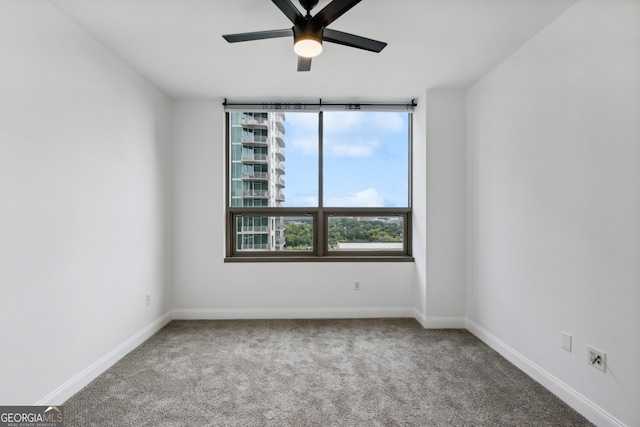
pixel 307 39
pixel 307 30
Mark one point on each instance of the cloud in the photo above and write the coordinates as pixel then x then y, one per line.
pixel 391 123
pixel 300 201
pixel 337 123
pixel 342 132
pixel 365 198
pixel 348 122
pixel 351 151
pixel 351 148
pixel 302 122
pixel 301 133
pixel 309 201
pixel 307 146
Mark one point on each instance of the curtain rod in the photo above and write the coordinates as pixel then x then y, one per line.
pixel 320 106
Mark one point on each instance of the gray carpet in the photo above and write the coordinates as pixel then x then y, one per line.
pixel 357 372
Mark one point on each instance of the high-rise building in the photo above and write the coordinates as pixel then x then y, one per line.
pixel 257 169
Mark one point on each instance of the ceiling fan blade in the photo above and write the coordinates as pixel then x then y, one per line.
pixel 289 10
pixel 352 40
pixel 304 64
pixel 333 11
pixel 258 35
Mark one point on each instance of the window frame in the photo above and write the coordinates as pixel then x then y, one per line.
pixel 320 216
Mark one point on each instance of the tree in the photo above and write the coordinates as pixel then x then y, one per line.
pixel 298 235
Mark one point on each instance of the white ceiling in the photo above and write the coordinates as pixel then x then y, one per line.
pixel 177 45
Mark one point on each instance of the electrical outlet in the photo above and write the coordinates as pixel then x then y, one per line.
pixel 596 358
pixel 356 286
pixel 148 299
pixel 566 341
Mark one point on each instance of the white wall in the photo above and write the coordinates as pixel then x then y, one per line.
pixel 439 208
pixel 83 206
pixel 419 210
pixel 445 215
pixel 206 287
pixel 554 197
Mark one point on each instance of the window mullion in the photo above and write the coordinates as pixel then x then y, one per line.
pixel 321 231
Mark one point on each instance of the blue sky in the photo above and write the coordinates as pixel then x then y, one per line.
pixel 365 159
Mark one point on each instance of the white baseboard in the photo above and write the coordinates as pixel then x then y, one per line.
pixel 292 313
pixel 440 322
pixel 75 384
pixel 588 409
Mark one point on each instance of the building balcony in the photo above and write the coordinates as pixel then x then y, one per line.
pixel 280 167
pixel 279 181
pixel 252 121
pixel 280 125
pixel 255 229
pixel 280 196
pixel 262 158
pixel 255 175
pixel 255 246
pixel 255 193
pixel 279 136
pixel 279 152
pixel 255 140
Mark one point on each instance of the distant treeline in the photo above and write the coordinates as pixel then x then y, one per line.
pixel 299 235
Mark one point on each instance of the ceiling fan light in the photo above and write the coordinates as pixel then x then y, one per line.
pixel 307 47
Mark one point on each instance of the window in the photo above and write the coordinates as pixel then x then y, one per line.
pixel 317 182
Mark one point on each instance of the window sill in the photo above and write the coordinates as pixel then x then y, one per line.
pixel 390 258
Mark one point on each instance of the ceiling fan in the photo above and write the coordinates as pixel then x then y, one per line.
pixel 310 31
